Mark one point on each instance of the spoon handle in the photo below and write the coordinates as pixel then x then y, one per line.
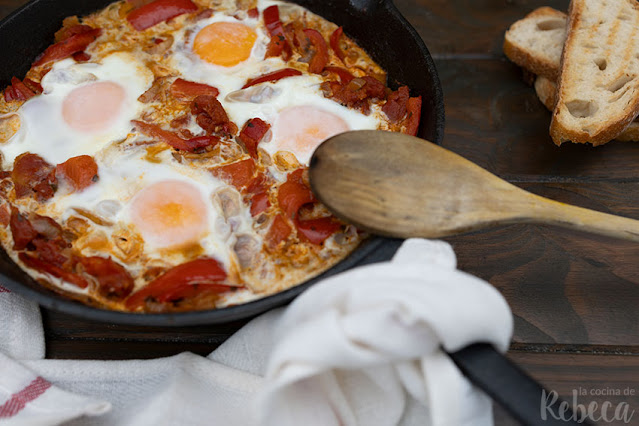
pixel 519 394
pixel 567 216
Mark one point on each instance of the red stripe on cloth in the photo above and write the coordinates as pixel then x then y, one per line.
pixel 4 290
pixel 18 400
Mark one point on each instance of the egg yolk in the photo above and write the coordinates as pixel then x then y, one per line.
pixel 224 43
pixel 93 107
pixel 301 129
pixel 169 213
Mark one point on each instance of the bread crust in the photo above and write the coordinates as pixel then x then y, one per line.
pixel 575 85
pixel 521 54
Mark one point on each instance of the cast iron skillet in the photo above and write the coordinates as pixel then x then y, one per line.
pixel 376 25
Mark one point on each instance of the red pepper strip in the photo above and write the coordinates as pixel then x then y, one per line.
pixel 337 34
pixel 158 11
pixel 81 171
pixel 252 133
pixel 272 76
pixel 51 269
pixel 316 231
pixel 344 75
pixel 172 139
pixel 66 48
pixel 185 90
pixel 259 203
pixel 253 13
pixel 258 184
pixel 414 114
pixel 113 279
pixel 190 277
pixel 396 105
pixel 278 232
pixel 293 194
pixel 21 89
pixel 278 43
pixel 68 32
pixel 10 94
pixel 320 58
pixel 238 174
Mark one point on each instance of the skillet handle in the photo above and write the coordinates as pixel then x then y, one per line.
pixel 510 387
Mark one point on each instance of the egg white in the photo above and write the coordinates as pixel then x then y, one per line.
pixel 43 130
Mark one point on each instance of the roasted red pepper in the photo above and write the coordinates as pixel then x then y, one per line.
pixel 65 48
pixel 272 76
pixel 278 43
pixel 158 11
pixel 172 139
pixel 278 232
pixel 81 171
pixel 344 75
pixel 185 90
pixel 293 194
pixel 239 174
pixel 414 114
pixel 335 37
pixel 320 58
pixel 316 231
pixel 253 13
pixel 21 230
pixel 113 279
pixel 32 175
pixel 49 268
pixel 185 280
pixel 252 133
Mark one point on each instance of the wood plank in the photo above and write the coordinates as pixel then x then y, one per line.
pixel 495 120
pixel 468 27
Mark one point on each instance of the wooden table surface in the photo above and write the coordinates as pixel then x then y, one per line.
pixel 575 297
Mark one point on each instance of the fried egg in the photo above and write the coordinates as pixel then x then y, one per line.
pixel 83 108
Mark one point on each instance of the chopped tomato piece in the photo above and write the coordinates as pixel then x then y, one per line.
pixel 81 56
pixel 316 231
pixel 278 232
pixel 414 115
pixel 320 59
pixel 278 43
pixel 49 268
pixel 238 174
pixel 185 90
pixel 337 34
pixel 21 230
pixel 252 133
pixel 32 175
pixel 33 85
pixel 158 11
pixel 113 279
pixel 395 106
pixel 272 76
pixel 259 203
pixel 10 94
pixel 293 194
pixel 21 89
pixel 172 139
pixel 211 116
pixel 69 46
pixel 187 279
pixel 81 171
pixel 49 251
pixel 344 75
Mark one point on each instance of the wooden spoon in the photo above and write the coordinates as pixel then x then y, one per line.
pixel 402 186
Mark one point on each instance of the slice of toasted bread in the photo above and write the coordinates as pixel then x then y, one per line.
pixel 598 87
pixel 546 90
pixel 536 41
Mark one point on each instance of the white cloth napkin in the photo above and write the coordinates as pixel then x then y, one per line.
pixel 360 348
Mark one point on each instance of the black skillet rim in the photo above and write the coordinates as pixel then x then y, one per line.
pixel 372 250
